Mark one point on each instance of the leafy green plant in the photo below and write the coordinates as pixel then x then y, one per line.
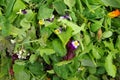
pixel 59 40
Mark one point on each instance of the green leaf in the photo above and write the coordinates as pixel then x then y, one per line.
pixel 95 53
pixel 73 78
pixel 5 65
pixel 88 5
pixel 70 3
pixel 36 1
pixel 15 31
pixel 109 66
pixel 18 5
pixel 94 2
pixel 61 71
pixel 107 34
pixel 6 28
pixel 36 68
pixel 60 7
pixel 22 75
pixel 46 32
pixel 87 62
pixel 0 13
pixel 117 44
pixel 58 47
pixel 44 12
pixel 109 45
pixel 92 77
pixel 33 58
pixel 114 3
pixel 46 59
pixel 30 15
pixel 46 51
pixel 9 7
pixel 2 2
pixel 51 71
pixel 92 70
pixel 18 68
pixel 73 16
pixel 86 38
pixel 5 44
pixel 79 5
pixel 115 23
pixel 76 29
pixel 97 14
pixel 65 35
pixel 96 25
pixel 100 70
pixel 25 24
pixel 63 63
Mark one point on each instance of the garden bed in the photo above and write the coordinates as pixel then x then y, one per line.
pixel 59 40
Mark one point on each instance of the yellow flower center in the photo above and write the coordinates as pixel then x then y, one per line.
pixel 41 22
pixel 75 44
pixel 57 31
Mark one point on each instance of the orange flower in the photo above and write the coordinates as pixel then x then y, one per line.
pixel 114 14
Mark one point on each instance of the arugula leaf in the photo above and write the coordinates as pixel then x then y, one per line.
pixel 65 35
pixel 25 24
pixel 44 12
pixel 70 3
pixel 96 25
pixel 18 5
pixel 117 43
pixel 60 7
pixel 18 68
pixel 96 53
pixel 36 68
pixel 24 75
pixel 75 27
pixel 107 34
pixel 9 7
pixel 46 51
pixel 114 3
pixel 92 77
pixel 61 71
pixel 58 47
pixel 63 63
pixel 33 58
pixel 109 66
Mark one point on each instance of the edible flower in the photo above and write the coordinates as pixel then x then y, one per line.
pixel 67 16
pixel 50 19
pixel 72 45
pixel 114 13
pixel 14 57
pixel 41 22
pixel 58 31
pixel 22 54
pixel 69 55
pixel 22 11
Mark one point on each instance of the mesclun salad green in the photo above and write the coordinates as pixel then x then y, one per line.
pixel 59 40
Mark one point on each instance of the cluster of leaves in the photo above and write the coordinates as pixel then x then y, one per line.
pixel 43 50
